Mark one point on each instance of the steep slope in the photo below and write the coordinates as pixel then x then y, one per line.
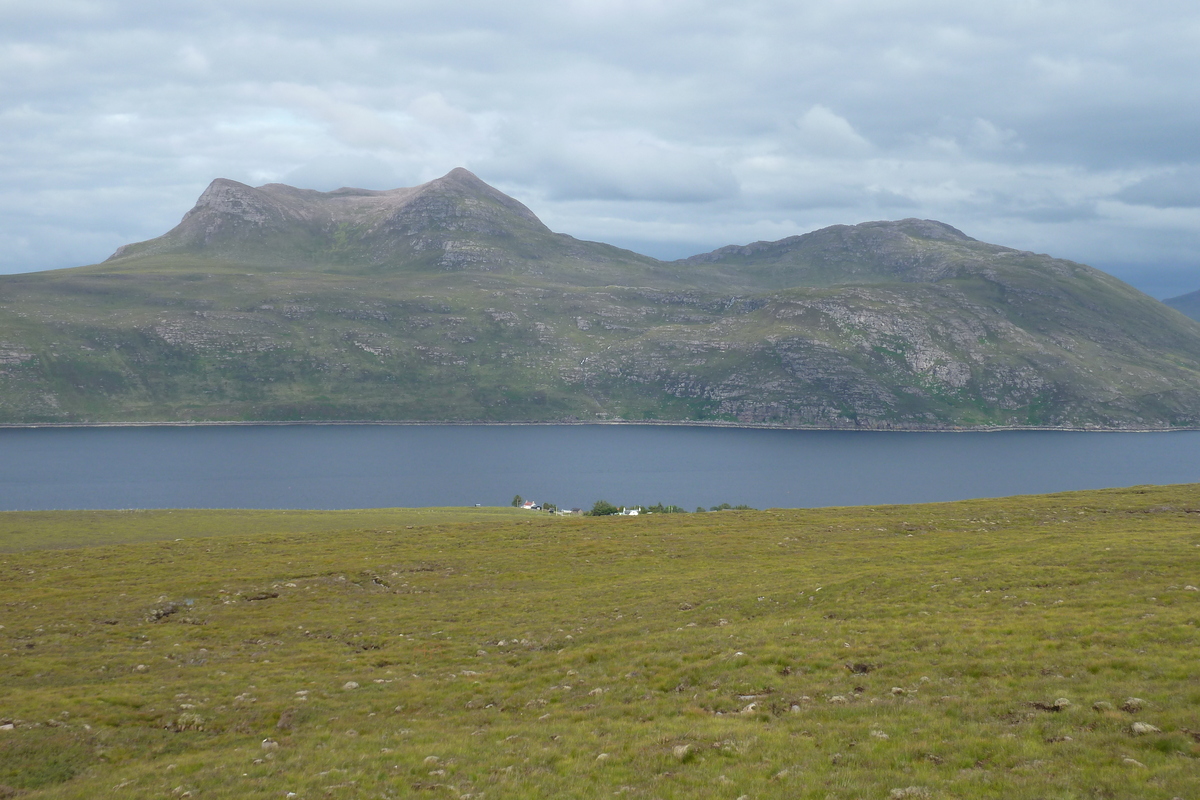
pixel 451 301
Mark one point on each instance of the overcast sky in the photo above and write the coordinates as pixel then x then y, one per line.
pixel 668 126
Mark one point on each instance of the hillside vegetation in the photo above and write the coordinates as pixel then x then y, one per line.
pixel 452 302
pixel 1027 647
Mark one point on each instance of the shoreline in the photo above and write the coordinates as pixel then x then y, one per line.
pixel 576 423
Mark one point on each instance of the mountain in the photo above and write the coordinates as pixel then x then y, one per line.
pixel 452 301
pixel 1187 304
pixel 456 222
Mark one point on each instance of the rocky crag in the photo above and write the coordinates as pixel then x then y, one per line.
pixel 451 301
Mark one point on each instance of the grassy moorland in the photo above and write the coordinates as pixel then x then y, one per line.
pixel 1028 647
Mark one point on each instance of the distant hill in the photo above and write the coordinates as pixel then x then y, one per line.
pixel 1188 304
pixel 452 301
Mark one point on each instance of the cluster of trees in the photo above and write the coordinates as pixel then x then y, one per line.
pixel 725 507
pixel 519 501
pixel 603 508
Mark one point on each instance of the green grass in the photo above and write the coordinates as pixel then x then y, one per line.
pixel 507 654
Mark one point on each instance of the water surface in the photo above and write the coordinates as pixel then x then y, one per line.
pixel 368 466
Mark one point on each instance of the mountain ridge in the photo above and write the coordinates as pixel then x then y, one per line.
pixel 451 301
pixel 1186 304
pixel 456 221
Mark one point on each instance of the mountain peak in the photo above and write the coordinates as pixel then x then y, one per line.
pixel 920 229
pixel 906 250
pixel 462 174
pixel 456 221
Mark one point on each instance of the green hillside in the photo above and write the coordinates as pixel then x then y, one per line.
pixel 1023 648
pixel 451 301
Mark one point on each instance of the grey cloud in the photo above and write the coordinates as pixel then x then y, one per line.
pixel 823 132
pixel 1037 207
pixel 670 121
pixel 618 165
pixel 1179 188
pixel 337 170
pixel 1049 214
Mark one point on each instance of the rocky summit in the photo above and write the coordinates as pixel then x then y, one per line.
pixel 451 301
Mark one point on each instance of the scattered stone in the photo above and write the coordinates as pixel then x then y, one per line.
pixel 682 751
pixel 1190 588
pixel 188 721
pixel 8 726
pixel 879 735
pixel 750 709
pixel 595 692
pixel 603 757
pixel 1143 728
pixel 349 685
pixel 1133 762
pixel 270 744
pixel 141 668
pixel 861 668
pixel 285 720
pixel 162 612
pixel 837 699
pixel 899 691
pixel 1132 705
pixel 1061 704
pixel 1101 706
pixel 432 759
pixel 909 791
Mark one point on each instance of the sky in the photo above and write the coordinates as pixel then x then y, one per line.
pixel 671 127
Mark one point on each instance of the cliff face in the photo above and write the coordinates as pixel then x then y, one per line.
pixel 452 301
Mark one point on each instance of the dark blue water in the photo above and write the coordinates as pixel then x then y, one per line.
pixel 367 466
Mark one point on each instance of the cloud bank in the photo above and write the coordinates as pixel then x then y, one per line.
pixel 672 126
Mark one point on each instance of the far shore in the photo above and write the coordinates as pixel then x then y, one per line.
pixel 576 423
